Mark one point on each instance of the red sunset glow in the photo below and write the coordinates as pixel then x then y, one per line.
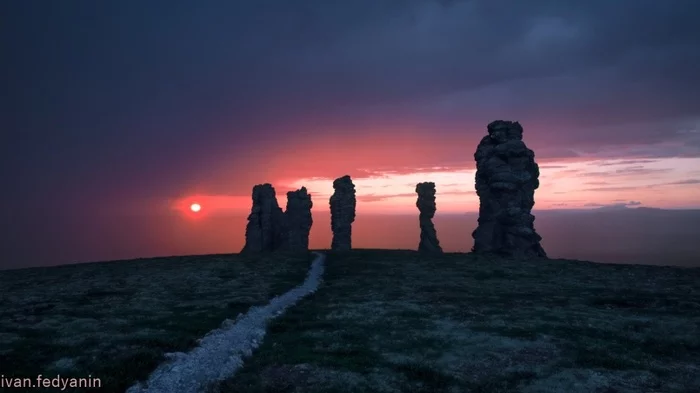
pixel 159 132
pixel 563 184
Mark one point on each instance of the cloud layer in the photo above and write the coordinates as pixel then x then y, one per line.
pixel 115 107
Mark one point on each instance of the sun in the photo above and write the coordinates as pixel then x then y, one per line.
pixel 195 207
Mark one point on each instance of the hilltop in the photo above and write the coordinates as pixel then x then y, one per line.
pixel 381 321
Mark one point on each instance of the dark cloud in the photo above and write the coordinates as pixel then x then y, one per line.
pixel 624 162
pixel 115 100
pixel 683 182
pixel 607 189
pixel 593 174
pixel 640 170
pixel 409 170
pixel 434 47
pixel 571 171
pixel 628 188
pixel 375 197
pixel 632 170
pixel 617 205
pixel 667 144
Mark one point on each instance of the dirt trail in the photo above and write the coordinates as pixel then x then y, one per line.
pixel 221 352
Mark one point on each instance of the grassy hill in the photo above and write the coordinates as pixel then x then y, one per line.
pixel 116 320
pixel 381 321
pixel 398 321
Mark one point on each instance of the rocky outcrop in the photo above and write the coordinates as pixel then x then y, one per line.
pixel 298 219
pixel 506 179
pixel 343 205
pixel 426 206
pixel 265 230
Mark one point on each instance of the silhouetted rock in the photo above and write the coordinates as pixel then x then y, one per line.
pixel 266 228
pixel 342 213
pixel 506 179
pixel 426 206
pixel 298 219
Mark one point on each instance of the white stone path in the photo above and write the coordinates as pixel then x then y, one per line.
pixel 221 352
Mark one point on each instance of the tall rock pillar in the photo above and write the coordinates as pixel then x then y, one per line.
pixel 265 230
pixel 506 179
pixel 342 204
pixel 298 219
pixel 427 207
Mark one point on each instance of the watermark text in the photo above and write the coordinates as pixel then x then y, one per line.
pixel 57 382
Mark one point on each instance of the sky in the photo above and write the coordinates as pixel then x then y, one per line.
pixel 124 109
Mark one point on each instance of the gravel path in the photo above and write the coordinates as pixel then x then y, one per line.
pixel 221 352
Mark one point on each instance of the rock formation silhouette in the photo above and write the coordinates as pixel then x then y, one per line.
pixel 506 179
pixel 265 230
pixel 426 206
pixel 343 205
pixel 298 219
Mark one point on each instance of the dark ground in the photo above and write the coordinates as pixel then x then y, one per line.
pixel 398 321
pixel 381 321
pixel 116 320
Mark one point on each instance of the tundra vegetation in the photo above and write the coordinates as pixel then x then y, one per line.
pixel 117 320
pixel 381 321
pixel 405 321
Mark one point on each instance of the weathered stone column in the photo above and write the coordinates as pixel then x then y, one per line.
pixel 427 207
pixel 265 229
pixel 298 219
pixel 343 205
pixel 506 179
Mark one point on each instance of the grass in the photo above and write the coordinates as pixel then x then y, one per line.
pixel 399 321
pixel 116 320
pixel 381 321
